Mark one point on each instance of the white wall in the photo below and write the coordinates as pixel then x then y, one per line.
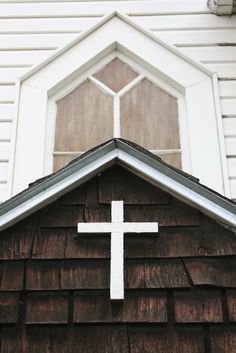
pixel 32 30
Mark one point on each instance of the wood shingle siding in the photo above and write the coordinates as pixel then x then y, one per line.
pixel 179 283
pixel 138 306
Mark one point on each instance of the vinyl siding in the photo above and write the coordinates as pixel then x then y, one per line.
pixel 30 31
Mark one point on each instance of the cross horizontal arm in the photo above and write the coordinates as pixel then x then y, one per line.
pixel 126 227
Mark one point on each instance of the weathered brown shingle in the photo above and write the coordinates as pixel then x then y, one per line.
pixel 8 308
pixel 231 301
pixel 159 340
pixel 50 243
pixel 223 340
pixel 212 271
pixel 12 276
pixel 16 242
pixel 94 211
pixel 100 339
pixel 85 274
pixel 118 184
pixel 134 274
pixel 165 273
pixel 141 306
pixel 198 306
pixel 75 197
pixel 87 246
pixel 43 275
pixel 57 216
pixel 166 216
pixel 180 242
pixel 47 308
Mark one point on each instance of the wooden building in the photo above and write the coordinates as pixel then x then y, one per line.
pixel 105 247
pixel 180 282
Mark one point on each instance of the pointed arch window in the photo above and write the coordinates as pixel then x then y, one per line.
pixel 117 99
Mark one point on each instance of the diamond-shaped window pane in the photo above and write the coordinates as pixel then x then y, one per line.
pixel 116 75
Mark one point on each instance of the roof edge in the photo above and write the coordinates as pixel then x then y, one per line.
pixel 178 183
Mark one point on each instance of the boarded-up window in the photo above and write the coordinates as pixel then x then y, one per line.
pixel 149 116
pixel 84 120
pixel 131 107
pixel 116 75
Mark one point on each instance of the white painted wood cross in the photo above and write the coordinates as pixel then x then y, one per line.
pixel 117 228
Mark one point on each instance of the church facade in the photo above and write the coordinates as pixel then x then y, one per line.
pixel 117 176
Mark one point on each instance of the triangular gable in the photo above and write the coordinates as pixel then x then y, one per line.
pixel 134 158
pixel 117 32
pixel 116 15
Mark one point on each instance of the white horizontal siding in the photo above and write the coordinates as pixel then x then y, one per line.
pixel 4 151
pixel 224 70
pixel 3 192
pixel 5 130
pixel 227 89
pixel 13 58
pixel 199 21
pixel 198 37
pixel 231 166
pixel 30 30
pixel 233 188
pixel 228 106
pixel 212 54
pixel 229 125
pixel 46 25
pixel 6 110
pixel 8 75
pixel 230 143
pixel 3 171
pixel 34 41
pixel 71 9
pixel 7 94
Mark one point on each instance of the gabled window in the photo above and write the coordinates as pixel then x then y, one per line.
pixel 155 96
pixel 117 100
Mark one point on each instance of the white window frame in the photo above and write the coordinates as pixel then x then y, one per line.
pixel 88 75
pixel 117 32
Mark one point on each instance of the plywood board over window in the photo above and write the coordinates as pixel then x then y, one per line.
pixel 84 119
pixel 149 116
pixel 116 75
pixel 133 108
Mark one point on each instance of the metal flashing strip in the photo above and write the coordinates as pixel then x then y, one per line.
pixel 35 197
pixel 137 159
pixel 178 177
pixel 197 197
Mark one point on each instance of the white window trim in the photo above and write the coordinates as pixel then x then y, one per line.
pixel 143 73
pixel 118 32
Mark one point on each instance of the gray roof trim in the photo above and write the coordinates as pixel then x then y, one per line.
pixel 146 164
pixel 186 180
pixel 43 184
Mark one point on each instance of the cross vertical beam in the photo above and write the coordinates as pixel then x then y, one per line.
pixel 117 253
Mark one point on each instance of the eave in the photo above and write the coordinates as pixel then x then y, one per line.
pixel 137 160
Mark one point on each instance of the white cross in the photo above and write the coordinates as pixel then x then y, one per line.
pixel 117 228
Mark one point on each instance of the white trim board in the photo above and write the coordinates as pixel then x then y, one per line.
pixel 117 32
pixel 138 161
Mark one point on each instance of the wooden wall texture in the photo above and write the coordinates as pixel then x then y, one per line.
pixel 180 285
pixel 31 30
